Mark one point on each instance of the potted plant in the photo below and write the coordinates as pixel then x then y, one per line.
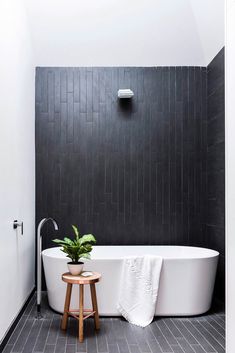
pixel 78 248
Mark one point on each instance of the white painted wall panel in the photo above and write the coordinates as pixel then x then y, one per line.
pixel 230 175
pixel 126 33
pixel 17 196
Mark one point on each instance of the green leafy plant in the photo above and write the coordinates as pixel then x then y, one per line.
pixel 79 247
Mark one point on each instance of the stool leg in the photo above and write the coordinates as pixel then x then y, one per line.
pixel 66 307
pixel 81 303
pixel 95 306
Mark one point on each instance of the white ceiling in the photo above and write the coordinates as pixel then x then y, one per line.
pixel 126 32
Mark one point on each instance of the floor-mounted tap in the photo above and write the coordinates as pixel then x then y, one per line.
pixel 39 261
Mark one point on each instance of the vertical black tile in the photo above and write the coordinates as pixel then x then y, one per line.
pixel 63 86
pixel 215 202
pixel 133 173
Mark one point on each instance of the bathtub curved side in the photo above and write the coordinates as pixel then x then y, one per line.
pixel 185 289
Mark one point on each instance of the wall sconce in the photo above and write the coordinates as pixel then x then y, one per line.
pixel 125 93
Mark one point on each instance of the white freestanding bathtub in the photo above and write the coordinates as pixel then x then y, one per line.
pixel 186 284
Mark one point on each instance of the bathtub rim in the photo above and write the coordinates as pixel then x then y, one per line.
pixel 209 253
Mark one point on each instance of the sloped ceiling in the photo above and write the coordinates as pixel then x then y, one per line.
pixel 126 32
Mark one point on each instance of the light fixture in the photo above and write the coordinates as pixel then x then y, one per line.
pixel 125 93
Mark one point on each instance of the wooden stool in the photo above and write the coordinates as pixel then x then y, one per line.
pixel 79 313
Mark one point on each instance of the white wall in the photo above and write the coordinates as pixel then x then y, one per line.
pixel 230 175
pixel 126 33
pixel 209 20
pixel 17 198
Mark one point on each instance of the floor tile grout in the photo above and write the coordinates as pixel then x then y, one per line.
pixel 203 334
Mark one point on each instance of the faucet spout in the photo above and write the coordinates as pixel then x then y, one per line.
pixel 39 260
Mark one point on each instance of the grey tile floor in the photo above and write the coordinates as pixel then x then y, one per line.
pixel 176 335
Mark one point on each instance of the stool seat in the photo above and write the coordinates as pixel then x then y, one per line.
pixel 79 279
pixel 79 313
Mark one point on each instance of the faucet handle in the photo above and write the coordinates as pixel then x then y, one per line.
pixel 17 224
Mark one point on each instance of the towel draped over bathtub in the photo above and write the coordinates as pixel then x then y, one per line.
pixel 139 288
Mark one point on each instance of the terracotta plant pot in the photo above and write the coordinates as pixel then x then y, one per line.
pixel 75 268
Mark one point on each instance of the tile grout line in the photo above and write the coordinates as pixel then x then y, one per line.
pixel 208 322
pixel 164 336
pixel 156 340
pixel 19 336
pixel 218 324
pixel 37 338
pixel 210 334
pixel 27 316
pixel 205 339
pixel 197 339
pixel 178 340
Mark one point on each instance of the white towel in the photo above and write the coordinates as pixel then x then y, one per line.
pixel 139 289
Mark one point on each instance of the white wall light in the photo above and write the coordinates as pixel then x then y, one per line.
pixel 125 93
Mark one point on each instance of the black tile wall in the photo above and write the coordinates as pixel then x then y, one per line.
pixel 144 171
pixel 131 171
pixel 215 225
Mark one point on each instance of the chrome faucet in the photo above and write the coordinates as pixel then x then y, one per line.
pixel 39 261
